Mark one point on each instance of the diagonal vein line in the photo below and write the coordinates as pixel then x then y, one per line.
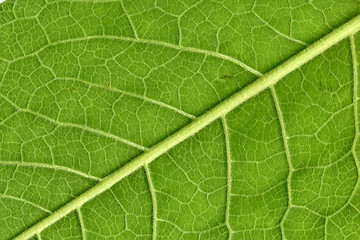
pixel 154 201
pixel 229 179
pixel 356 122
pixel 355 90
pixel 146 41
pixel 51 166
pixel 82 226
pixel 278 32
pixel 287 154
pixel 25 201
pixel 75 125
pixel 129 19
pixel 356 114
pixel 134 95
pixel 219 110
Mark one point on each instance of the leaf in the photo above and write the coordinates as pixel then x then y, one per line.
pixel 179 119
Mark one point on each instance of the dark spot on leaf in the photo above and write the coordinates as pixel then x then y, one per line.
pixel 226 76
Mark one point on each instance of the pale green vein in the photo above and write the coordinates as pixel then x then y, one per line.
pixel 356 122
pixel 109 88
pixel 309 210
pixel 278 32
pixel 82 226
pixel 119 203
pixel 75 125
pixel 355 100
pixel 252 138
pixel 184 173
pixel 25 201
pixel 128 18
pixel 326 166
pixel 255 229
pixel 86 128
pixel 228 164
pixel 355 96
pixel 355 207
pixel 262 193
pixel 7 118
pixel 287 154
pixel 194 231
pixel 264 159
pixel 146 41
pixel 219 110
pixel 331 117
pixel 154 202
pixel 325 227
pixel 356 114
pixel 141 97
pixel 50 166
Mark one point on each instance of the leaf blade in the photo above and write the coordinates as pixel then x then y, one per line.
pixel 264 82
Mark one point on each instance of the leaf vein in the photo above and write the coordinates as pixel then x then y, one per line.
pixel 356 122
pixel 51 166
pixel 82 226
pixel 75 125
pixel 25 201
pixel 264 82
pixel 287 154
pixel 145 41
pixel 154 201
pixel 229 179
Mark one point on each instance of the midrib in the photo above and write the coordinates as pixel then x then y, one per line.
pixel 267 80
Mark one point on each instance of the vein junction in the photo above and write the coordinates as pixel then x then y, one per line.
pixel 264 82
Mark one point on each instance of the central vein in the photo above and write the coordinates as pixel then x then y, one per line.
pixel 267 80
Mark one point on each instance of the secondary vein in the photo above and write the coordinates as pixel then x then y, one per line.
pixel 356 122
pixel 145 41
pixel 51 166
pixel 154 201
pixel 229 180
pixel 219 110
pixel 25 201
pixel 287 154
pixel 75 125
pixel 83 231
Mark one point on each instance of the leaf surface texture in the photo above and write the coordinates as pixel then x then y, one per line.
pixel 88 86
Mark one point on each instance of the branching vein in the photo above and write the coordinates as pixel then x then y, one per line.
pixel 219 110
pixel 50 166
pixel 356 122
pixel 287 153
pixel 151 42
pixel 75 125
pixel 25 201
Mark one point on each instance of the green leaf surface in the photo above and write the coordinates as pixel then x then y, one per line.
pixel 142 119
